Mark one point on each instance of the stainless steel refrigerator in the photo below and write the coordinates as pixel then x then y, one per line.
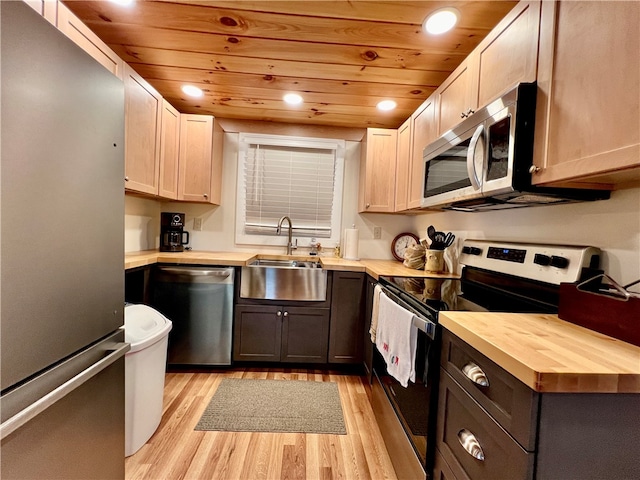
pixel 61 263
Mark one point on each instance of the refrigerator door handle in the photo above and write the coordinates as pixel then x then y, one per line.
pixel 22 417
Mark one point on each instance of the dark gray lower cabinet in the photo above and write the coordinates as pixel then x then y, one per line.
pixel 347 319
pixel 266 333
pixel 523 434
pixel 442 471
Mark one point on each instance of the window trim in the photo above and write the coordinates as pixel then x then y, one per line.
pixel 246 139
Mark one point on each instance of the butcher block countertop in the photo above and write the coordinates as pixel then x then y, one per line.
pixel 549 354
pixel 375 268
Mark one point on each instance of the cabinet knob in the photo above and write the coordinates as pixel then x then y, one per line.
pixel 279 313
pixel 471 111
pixel 463 115
pixel 126 179
pixel 205 195
pixel 286 314
pixel 470 444
pixel 533 169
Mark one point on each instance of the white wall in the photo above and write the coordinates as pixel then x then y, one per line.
pixel 141 223
pixel 612 225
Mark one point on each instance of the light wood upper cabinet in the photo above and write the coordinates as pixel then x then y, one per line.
pixel 454 97
pixel 77 31
pixel 423 125
pixel 588 109
pixel 415 134
pixel 200 159
pixel 506 57
pixel 143 113
pixel 169 151
pixel 403 166
pixel 377 171
pixel 46 8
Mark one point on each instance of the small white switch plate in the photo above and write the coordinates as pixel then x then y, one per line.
pixel 197 224
pixel 377 233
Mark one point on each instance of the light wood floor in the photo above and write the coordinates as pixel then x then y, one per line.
pixel 177 451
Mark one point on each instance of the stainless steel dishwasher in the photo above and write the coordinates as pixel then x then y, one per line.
pixel 199 302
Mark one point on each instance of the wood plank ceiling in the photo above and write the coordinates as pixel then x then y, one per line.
pixel 342 56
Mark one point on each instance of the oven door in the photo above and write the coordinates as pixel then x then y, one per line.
pixel 407 416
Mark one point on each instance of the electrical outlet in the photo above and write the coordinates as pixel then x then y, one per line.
pixel 197 224
pixel 377 233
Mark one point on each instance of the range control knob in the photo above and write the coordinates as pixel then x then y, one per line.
pixel 471 250
pixel 541 259
pixel 559 262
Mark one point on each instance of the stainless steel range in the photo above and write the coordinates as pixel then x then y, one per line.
pixel 496 276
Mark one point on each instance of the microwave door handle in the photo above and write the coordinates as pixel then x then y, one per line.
pixel 471 155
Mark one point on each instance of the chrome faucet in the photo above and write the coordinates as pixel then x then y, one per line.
pixel 278 230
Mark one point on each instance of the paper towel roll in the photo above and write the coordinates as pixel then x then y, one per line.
pixel 351 244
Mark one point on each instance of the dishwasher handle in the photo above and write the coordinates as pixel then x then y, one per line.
pixel 198 275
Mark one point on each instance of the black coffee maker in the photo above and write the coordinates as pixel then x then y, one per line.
pixel 172 236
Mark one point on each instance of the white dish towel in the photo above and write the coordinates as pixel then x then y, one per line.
pixel 374 312
pixel 396 339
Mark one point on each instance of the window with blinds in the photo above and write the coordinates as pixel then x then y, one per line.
pixel 289 176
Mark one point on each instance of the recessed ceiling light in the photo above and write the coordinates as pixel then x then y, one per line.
pixel 441 21
pixel 192 91
pixel 292 99
pixel 386 105
pixel 123 2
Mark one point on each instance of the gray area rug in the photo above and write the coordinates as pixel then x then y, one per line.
pixel 248 405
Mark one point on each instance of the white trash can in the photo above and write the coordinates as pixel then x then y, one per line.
pixel 147 330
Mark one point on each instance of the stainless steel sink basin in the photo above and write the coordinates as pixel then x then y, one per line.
pixel 284 263
pixel 284 280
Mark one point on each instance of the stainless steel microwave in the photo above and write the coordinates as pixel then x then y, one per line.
pixel 483 163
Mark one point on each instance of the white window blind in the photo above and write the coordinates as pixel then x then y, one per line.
pixel 299 178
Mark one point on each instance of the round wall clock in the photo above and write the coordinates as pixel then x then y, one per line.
pixel 401 243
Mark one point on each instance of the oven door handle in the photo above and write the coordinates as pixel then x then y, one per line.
pixel 418 321
pixel 472 153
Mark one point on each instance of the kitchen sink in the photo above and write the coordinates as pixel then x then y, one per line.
pixel 285 263
pixel 296 280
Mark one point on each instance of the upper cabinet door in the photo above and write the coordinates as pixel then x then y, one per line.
pixel 143 113
pixel 377 170
pixel 454 96
pixel 423 133
pixel 196 155
pixel 588 108
pixel 77 31
pixel 169 151
pixel 46 8
pixel 403 166
pixel 509 54
pixel 506 57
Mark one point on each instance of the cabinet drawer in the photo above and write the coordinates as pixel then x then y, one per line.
pixel 442 470
pixel 509 401
pixel 459 418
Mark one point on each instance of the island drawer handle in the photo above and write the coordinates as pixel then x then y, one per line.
pixel 470 444
pixel 474 373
